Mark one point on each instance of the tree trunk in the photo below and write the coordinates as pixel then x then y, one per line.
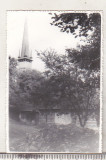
pixel 82 118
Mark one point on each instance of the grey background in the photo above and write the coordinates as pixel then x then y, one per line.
pixel 42 5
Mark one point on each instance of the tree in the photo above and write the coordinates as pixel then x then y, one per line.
pixel 87 26
pixel 13 82
pixel 30 84
pixel 69 86
pixel 24 87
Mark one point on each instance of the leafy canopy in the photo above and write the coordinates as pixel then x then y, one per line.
pixel 88 28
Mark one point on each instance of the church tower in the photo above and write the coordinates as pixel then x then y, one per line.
pixel 25 58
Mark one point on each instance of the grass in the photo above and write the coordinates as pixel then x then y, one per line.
pixel 52 138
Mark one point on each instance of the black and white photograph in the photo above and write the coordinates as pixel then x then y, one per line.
pixel 54 81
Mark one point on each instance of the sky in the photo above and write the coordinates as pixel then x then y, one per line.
pixel 42 35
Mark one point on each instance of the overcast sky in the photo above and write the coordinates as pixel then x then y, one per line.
pixel 42 35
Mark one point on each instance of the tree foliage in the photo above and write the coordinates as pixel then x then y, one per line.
pixel 87 26
pixel 24 87
pixel 13 85
pixel 84 22
pixel 85 58
pixel 70 86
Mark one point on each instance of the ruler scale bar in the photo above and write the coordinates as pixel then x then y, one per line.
pixel 50 156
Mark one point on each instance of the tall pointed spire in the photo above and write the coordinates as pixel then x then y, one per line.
pixel 25 58
pixel 25 42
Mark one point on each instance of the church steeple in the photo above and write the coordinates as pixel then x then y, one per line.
pixel 25 58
